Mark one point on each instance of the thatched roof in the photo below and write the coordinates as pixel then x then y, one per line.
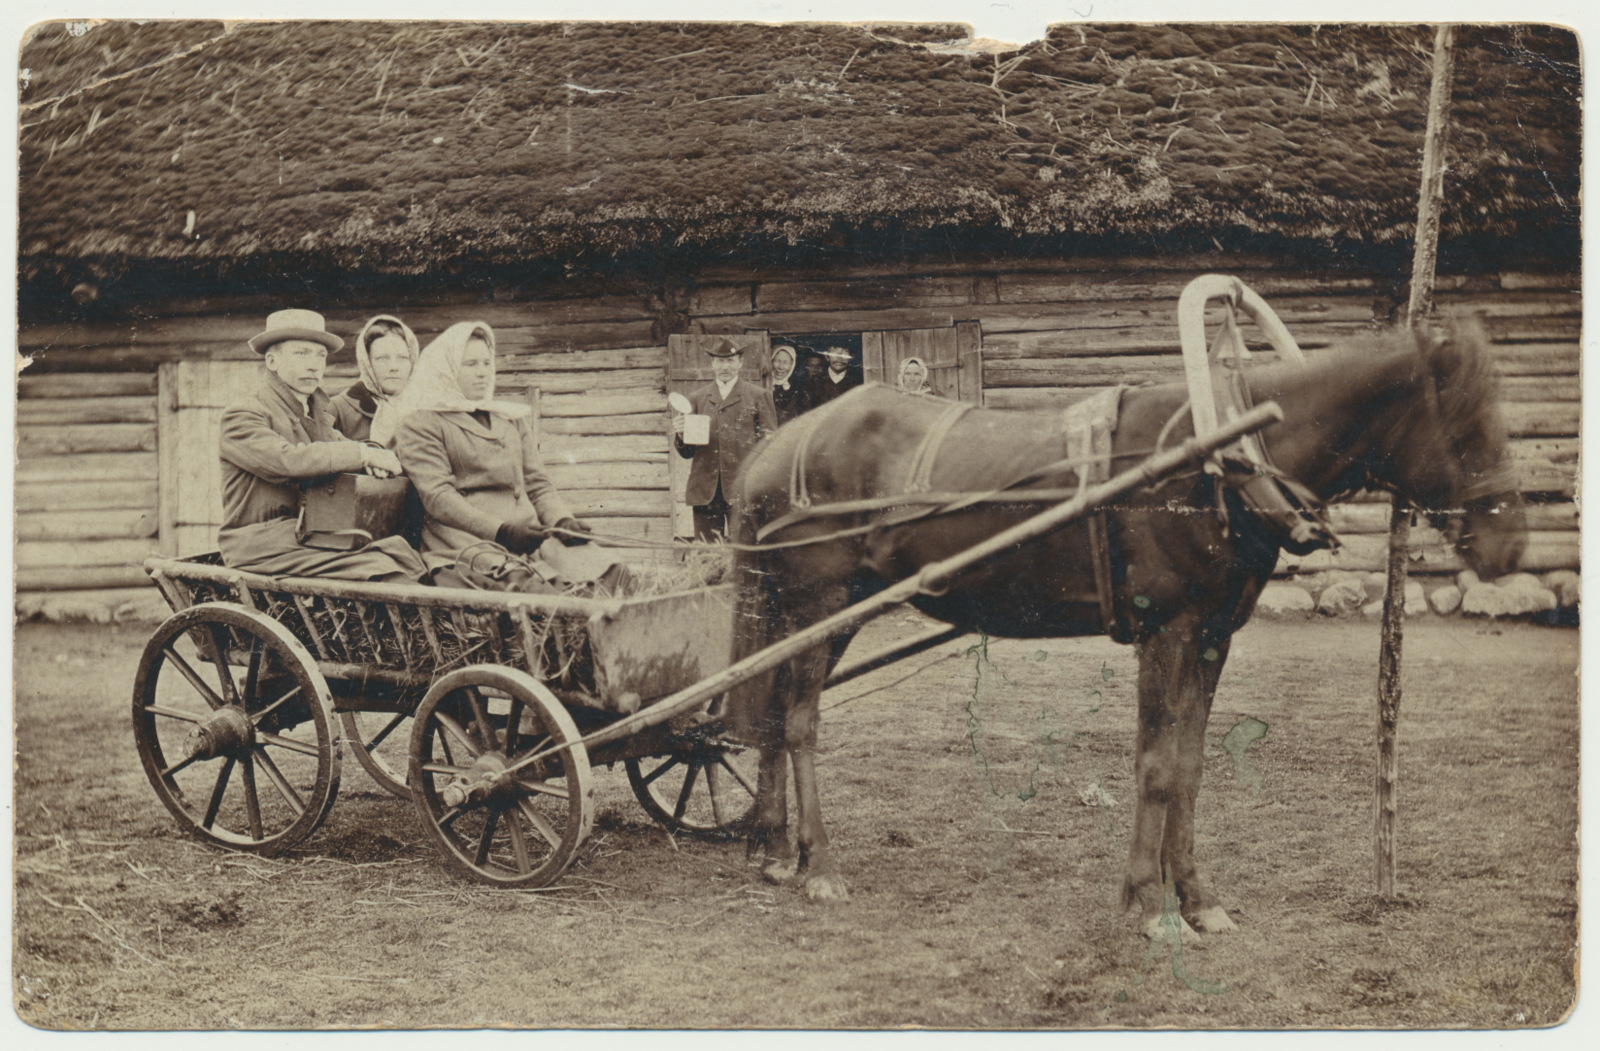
pixel 405 147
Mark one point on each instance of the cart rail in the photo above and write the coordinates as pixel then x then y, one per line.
pixel 606 654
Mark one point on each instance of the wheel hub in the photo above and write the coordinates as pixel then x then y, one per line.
pixel 486 777
pixel 227 731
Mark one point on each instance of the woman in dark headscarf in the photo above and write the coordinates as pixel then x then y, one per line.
pixel 386 353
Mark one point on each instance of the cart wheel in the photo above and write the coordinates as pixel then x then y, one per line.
pixel 709 789
pixel 234 725
pixel 380 740
pixel 512 826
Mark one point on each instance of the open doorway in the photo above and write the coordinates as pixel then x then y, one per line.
pixel 826 364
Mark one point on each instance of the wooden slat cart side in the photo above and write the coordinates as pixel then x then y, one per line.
pixel 248 696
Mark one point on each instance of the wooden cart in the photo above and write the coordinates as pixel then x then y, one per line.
pixel 251 693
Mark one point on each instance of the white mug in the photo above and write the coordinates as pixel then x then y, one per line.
pixel 696 429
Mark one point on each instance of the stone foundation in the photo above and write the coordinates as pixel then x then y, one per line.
pixel 1551 598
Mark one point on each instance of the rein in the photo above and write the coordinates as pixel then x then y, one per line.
pixel 921 505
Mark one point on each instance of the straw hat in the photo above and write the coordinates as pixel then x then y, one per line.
pixel 295 324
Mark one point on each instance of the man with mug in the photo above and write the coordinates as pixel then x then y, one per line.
pixel 733 414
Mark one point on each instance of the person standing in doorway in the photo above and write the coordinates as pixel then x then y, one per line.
pixel 913 378
pixel 740 414
pixel 838 378
pixel 787 389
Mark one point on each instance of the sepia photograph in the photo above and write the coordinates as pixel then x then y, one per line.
pixel 785 519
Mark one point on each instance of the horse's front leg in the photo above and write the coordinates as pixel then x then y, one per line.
pixel 823 881
pixel 1198 906
pixel 1168 698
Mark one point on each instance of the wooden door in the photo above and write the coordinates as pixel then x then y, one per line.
pixel 688 367
pixel 954 357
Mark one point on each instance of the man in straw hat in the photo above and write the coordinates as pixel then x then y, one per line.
pixel 838 378
pixel 741 414
pixel 281 436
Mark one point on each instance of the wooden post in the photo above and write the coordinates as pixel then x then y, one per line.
pixel 1394 595
pixel 1394 600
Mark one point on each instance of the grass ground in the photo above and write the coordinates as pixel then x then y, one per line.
pixel 983 888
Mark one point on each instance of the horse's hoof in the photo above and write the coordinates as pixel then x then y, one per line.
pixel 1212 921
pixel 826 888
pixel 1170 928
pixel 780 870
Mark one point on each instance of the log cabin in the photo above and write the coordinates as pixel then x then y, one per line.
pixel 610 195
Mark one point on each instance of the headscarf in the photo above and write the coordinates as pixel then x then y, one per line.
pixel 371 332
pixel 782 382
pixel 905 369
pixel 434 386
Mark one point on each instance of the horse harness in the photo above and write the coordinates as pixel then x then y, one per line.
pixel 920 474
pixel 1087 429
pixel 1290 510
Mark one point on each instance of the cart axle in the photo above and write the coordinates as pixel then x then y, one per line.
pixel 487 775
pixel 227 731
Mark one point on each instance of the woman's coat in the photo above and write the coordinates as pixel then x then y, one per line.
pixel 473 477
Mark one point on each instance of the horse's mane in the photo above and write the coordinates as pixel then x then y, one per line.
pixel 1460 409
pixel 1468 387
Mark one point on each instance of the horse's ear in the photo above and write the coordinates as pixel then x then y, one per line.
pixel 1459 356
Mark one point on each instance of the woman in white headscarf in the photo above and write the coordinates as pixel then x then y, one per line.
pixel 475 463
pixel 785 388
pixel 386 353
pixel 913 376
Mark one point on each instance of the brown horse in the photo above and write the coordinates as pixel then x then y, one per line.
pixel 1416 417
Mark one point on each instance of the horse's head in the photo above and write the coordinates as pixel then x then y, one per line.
pixel 1452 461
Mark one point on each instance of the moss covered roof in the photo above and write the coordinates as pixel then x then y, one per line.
pixel 405 147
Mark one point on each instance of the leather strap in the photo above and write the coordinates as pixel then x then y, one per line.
pixel 799 495
pixel 1088 441
pixel 927 452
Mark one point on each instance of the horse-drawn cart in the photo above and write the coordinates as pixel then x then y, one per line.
pixel 246 697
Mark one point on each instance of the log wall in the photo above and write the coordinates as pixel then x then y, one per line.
pixel 601 389
pixel 1055 333
pixel 108 470
pixel 88 504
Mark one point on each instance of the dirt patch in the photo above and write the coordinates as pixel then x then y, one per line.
pixel 983 871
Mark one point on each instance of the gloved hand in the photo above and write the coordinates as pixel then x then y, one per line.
pixel 520 538
pixel 575 526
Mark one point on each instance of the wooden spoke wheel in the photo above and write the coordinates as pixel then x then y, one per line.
pixel 380 741
pixel 708 789
pixel 500 822
pixel 234 726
